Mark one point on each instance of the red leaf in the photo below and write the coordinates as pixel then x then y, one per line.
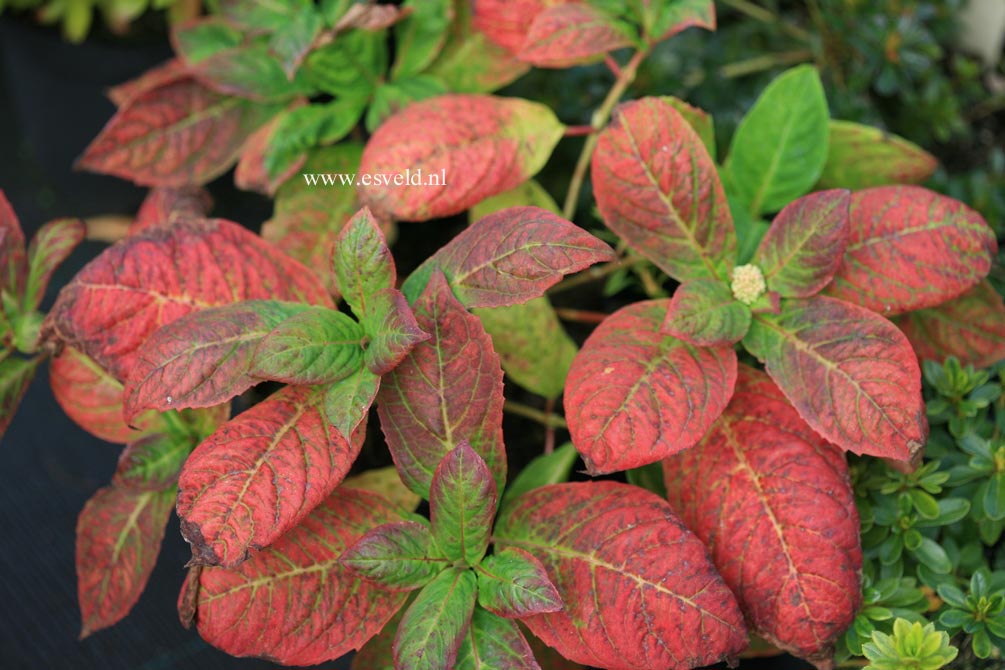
pixel 635 396
pixel 849 372
pixel 571 34
pixel 294 602
pixel 13 261
pixel 911 248
pixel 476 146
pixel 176 134
pixel 506 22
pixel 970 327
pixel 772 501
pixel 512 256
pixel 119 535
pixel 638 587
pixel 658 189
pixel 161 75
pixel 168 204
pixel 148 280
pixel 261 473
pixel 448 389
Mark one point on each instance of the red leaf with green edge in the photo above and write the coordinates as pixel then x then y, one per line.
pixel 700 120
pixel 704 312
pixel 177 134
pixel 252 172
pixel 378 652
pixel 51 245
pixel 572 34
pixel 970 327
pixel 850 374
pixel 293 602
pixel 911 248
pixel 167 72
pixel 150 279
pixel 434 625
pixel 362 262
pixel 762 474
pixel 534 349
pixel 392 329
pixel 803 247
pixel 493 643
pixel 152 463
pixel 260 474
pixel 13 261
pixel 93 399
pixel 514 584
pixel 397 556
pixel 478 145
pixel 859 157
pixel 510 257
pixel 348 400
pixel 315 346
pixel 448 389
pixel 507 22
pixel 657 188
pixel 639 589
pixel 16 374
pixel 635 396
pixel 167 204
pixel 204 358
pixel 119 535
pixel 462 502
pixel 663 20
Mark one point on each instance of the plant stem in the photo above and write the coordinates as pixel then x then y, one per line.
pixel 578 131
pixel 626 76
pixel 580 315
pixel 528 412
pixel 765 62
pixel 765 15
pixel 549 430
pixel 594 273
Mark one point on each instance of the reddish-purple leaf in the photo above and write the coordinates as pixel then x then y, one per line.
pixel 803 247
pixel 658 189
pixel 494 643
pixel 514 584
pixel 546 657
pixel 511 256
pixel 13 261
pixel 161 75
pixel 970 327
pixel 849 372
pixel 638 587
pixel 167 204
pixel 448 389
pixel 473 146
pixel 16 374
pixel 119 535
pixel 259 474
pixel 911 248
pixel 294 602
pixel 148 280
pixel 462 500
pixel 704 312
pixel 175 134
pixel 772 501
pixel 634 396
pixel 571 34
pixel 378 652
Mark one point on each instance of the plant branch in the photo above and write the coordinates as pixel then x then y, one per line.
pixel 580 315
pixel 528 412
pixel 765 15
pixel 765 62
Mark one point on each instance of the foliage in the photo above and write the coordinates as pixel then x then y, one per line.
pixel 77 16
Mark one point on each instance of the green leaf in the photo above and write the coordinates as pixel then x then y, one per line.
pixel 248 71
pixel 419 37
pixel 664 19
pixel 362 262
pixel 994 497
pixel 397 556
pixel 553 468
pixel 462 502
pixel 349 66
pixel 51 245
pixel 386 482
pixel 431 631
pixel 348 400
pixel 393 96
pixel 204 38
pixel 259 15
pixel 494 643
pixel 514 584
pixel 292 41
pixel 316 346
pixel 529 193
pixel 932 555
pixel 780 146
pixel 704 312
pixel 15 375
pixel 952 595
pixel 650 477
pixel 299 130
pixel 927 506
pixel 152 463
pixel 861 156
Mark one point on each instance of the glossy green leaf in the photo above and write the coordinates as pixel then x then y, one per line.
pixel 316 346
pixel 462 501
pixel 430 634
pixel 397 556
pixel 514 584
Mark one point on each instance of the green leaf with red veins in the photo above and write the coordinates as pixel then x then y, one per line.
pixel 434 625
pixel 510 257
pixel 970 327
pixel 51 245
pixel 167 204
pixel 13 261
pixel 348 400
pixel 911 248
pixel 572 34
pixel 204 358
pixel 148 280
pixel 315 346
pixel 862 156
pixel 16 374
pixel 765 474
pixel 850 374
pixel 397 556
pixel 119 535
pixel 177 134
pixel 635 396
pixel 700 120
pixel 704 312
pixel 294 602
pixel 260 474
pixel 657 188
pixel 152 463
pixel 448 389
pixel 392 329
pixel 514 584
pixel 362 262
pixel 663 20
pixel 615 553
pixel 493 643
pixel 803 247
pixel 462 501
pixel 475 145
pixel 156 77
